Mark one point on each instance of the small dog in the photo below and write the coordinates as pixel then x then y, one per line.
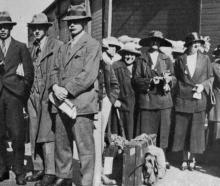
pixel 150 169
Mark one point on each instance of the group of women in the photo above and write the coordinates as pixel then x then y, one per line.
pixel 154 91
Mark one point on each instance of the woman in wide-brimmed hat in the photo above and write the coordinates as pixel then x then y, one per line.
pixel 214 114
pixel 110 48
pixel 193 72
pixel 153 81
pixel 108 89
pixel 126 101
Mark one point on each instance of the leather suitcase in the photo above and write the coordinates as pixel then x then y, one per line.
pixel 133 159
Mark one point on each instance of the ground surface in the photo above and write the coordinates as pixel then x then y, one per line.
pixel 208 173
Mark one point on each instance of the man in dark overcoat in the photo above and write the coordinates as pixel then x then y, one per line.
pixel 153 79
pixel 74 77
pixel 16 78
pixel 42 136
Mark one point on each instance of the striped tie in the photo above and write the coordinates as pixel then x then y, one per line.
pixel 3 48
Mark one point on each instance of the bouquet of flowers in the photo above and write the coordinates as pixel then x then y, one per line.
pixel 162 83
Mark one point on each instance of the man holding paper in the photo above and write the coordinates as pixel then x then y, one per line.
pixel 16 78
pixel 74 77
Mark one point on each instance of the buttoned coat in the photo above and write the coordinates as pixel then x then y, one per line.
pixel 17 53
pixel 185 83
pixel 76 69
pixel 108 83
pixel 41 127
pixel 151 99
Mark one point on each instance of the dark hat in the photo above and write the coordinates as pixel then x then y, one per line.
pixel 40 19
pixel 216 51
pixel 155 35
pixel 193 37
pixel 5 18
pixel 77 12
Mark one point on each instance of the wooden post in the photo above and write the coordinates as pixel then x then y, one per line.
pixel 109 32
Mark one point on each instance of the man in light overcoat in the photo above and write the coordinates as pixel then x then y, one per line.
pixel 42 126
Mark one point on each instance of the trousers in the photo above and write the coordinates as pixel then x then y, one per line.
pixel 81 130
pixel 12 124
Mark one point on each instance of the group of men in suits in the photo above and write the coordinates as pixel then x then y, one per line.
pixel 67 71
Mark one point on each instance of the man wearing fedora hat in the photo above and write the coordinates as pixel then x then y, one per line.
pixel 153 81
pixel 74 76
pixel 16 78
pixel 42 136
pixel 193 71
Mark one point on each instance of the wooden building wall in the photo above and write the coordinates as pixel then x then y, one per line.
pixel 210 21
pixel 175 18
pixel 96 24
pixel 57 11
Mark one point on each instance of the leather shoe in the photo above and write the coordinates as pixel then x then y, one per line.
pixel 46 181
pixel 37 175
pixel 20 179
pixel 62 182
pixel 5 176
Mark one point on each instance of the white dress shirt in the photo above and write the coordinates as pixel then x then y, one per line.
pixel 191 63
pixel 7 43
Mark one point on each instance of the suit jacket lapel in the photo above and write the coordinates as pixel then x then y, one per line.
pixel 1 55
pixel 47 49
pixel 75 48
pixel 10 52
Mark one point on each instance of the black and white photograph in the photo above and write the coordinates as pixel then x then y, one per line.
pixel 110 92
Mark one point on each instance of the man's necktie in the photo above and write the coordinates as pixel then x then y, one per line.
pixel 3 47
pixel 38 50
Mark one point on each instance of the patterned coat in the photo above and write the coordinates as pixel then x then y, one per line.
pixel 41 128
pixel 76 69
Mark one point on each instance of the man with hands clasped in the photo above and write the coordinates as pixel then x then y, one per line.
pixel 74 76
pixel 16 78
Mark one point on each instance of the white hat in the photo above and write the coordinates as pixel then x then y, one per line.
pixel 125 39
pixel 131 47
pixel 111 41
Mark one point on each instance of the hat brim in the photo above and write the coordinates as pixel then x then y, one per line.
pixel 147 41
pixel 137 53
pixel 118 47
pixel 70 18
pixel 43 24
pixel 8 23
pixel 195 41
